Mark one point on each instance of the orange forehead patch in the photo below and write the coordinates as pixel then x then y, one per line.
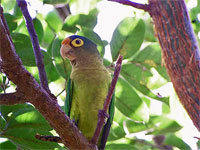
pixel 66 41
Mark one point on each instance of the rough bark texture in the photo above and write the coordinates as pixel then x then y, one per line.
pixel 45 103
pixel 180 52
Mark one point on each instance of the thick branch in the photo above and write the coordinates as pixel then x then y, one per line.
pixel 107 101
pixel 180 52
pixel 36 47
pixel 46 104
pixel 144 7
pixel 12 98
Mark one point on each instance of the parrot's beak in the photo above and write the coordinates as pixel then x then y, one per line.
pixel 66 50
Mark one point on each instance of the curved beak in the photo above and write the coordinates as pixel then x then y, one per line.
pixel 66 50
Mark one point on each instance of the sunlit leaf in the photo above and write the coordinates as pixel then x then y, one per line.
pixel 175 141
pixel 150 53
pixel 143 88
pixel 166 126
pixel 149 34
pixel 82 20
pixel 116 132
pixel 48 37
pixel 135 126
pixel 127 37
pixel 6 110
pixel 54 2
pixel 54 21
pixel 129 103
pixel 120 146
pixel 83 6
pixel 38 28
pixel 7 5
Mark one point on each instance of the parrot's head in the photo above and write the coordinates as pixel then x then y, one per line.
pixel 78 49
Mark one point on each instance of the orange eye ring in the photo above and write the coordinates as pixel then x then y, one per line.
pixel 77 42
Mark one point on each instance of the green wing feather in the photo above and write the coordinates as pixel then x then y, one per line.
pixel 68 100
pixel 108 124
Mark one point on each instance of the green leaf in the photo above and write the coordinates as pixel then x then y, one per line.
pixel 83 6
pixel 7 145
pixel 90 34
pixel 130 75
pixel 149 34
pixel 166 126
pixel 120 146
pixel 28 121
pixel 82 20
pixel 127 38
pixel 116 132
pixel 198 144
pixel 63 67
pixel 6 110
pixel 17 12
pixel 39 29
pixel 51 72
pixel 55 2
pixel 129 103
pixel 137 72
pixel 11 21
pixel 24 49
pixel 7 5
pixel 2 123
pixel 134 127
pixel 150 55
pixel 175 141
pixel 54 21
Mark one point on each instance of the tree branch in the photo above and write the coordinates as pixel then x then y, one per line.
pixel 63 11
pixel 36 47
pixel 144 7
pixel 107 101
pixel 44 102
pixel 48 138
pixel 180 52
pixel 12 98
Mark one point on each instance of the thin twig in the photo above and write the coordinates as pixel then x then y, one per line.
pixel 55 139
pixel 102 113
pixel 144 7
pixel 36 47
pixel 60 92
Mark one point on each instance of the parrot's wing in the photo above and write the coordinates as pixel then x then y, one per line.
pixel 68 100
pixel 106 128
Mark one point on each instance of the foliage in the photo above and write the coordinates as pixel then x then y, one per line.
pixel 142 74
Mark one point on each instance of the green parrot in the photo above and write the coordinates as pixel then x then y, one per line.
pixel 87 87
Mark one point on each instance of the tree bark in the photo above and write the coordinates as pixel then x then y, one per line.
pixel 180 52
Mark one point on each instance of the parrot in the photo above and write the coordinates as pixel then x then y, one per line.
pixel 87 86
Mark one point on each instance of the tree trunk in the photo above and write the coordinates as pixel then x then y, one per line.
pixel 180 52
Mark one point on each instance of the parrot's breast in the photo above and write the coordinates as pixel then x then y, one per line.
pixel 89 93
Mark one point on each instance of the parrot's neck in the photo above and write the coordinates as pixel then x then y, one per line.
pixel 88 63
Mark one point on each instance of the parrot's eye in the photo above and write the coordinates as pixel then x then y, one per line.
pixel 77 42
